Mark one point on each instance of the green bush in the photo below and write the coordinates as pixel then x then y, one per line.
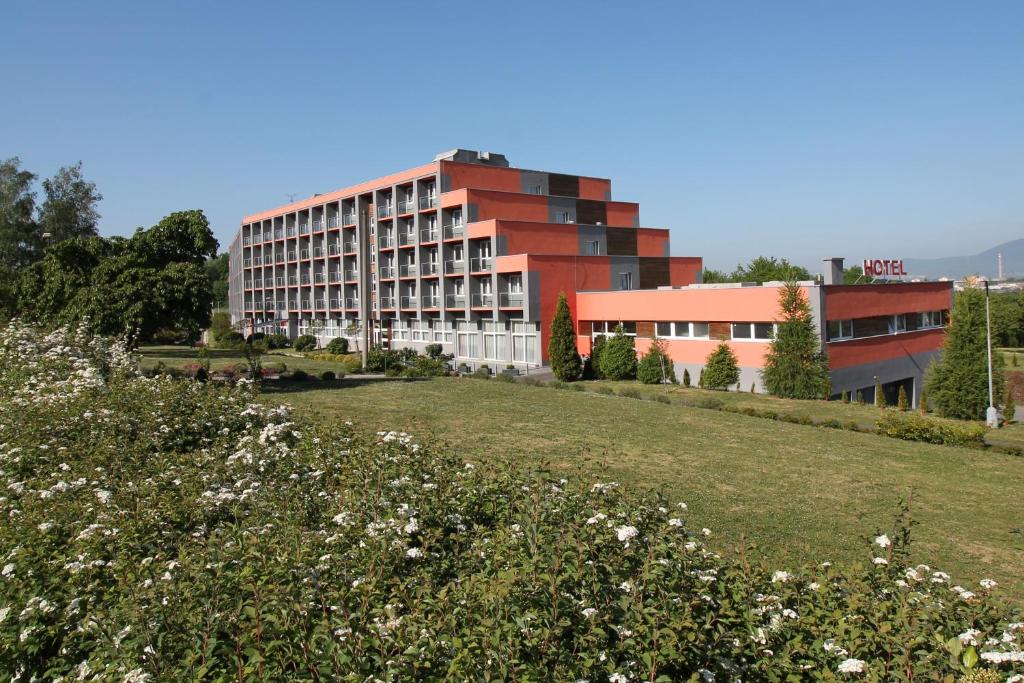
pixel 299 375
pixel 618 357
pixel 502 377
pixel 562 354
pixel 159 530
pixel 379 359
pixel 661 398
pixel 608 391
pixel 721 370
pixel 305 342
pixel 686 378
pixel 915 427
pixel 629 392
pixel 277 341
pixel 338 346
pixel 230 340
pixel 656 367
pixel 592 366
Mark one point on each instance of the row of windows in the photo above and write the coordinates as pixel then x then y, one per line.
pixel 746 331
pixel 856 328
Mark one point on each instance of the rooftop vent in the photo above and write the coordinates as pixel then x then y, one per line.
pixel 468 156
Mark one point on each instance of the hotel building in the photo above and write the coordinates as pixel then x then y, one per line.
pixel 472 254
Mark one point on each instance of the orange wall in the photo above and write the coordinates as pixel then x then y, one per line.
pixel 482 177
pixel 683 270
pixel 568 274
pixel 595 188
pixel 696 351
pixel 539 238
pixel 736 304
pixel 623 214
pixel 523 207
pixel 864 301
pixel 874 349
pixel 651 242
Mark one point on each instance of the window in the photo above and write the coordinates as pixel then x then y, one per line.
pixel 515 284
pixel 764 331
pixel 930 319
pixel 681 330
pixel 700 330
pixel 494 341
pixel 753 331
pixel 485 249
pixel 594 248
pixel 536 189
pixel 524 342
pixel 432 221
pixel 897 323
pixel 664 330
pixel 457 217
pixel 741 331
pixel 468 340
pixel 840 329
pixel 563 217
pixel 609 327
pixel 625 280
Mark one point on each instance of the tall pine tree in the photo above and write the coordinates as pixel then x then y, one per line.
pixel 565 360
pixel 958 382
pixel 795 366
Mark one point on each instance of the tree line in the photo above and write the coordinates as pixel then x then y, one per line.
pixel 55 269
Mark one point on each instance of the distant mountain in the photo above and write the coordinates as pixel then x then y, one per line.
pixel 985 263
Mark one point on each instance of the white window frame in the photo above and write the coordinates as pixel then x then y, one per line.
pixel 898 323
pixel 752 338
pixel 680 330
pixel 515 284
pixel 845 329
pixel 626 281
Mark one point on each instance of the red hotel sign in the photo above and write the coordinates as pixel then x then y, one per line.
pixel 883 267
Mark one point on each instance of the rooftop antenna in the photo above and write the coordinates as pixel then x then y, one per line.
pixel 291 198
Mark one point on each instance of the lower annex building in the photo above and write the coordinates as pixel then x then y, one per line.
pixel 472 254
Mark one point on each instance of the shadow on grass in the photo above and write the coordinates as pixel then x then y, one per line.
pixel 286 386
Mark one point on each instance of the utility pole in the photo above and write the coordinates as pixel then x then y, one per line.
pixel 991 414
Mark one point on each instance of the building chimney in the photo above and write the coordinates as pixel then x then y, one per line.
pixel 834 271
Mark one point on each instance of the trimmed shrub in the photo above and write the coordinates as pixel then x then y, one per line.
pixel 879 395
pixel 922 405
pixel 230 340
pixel 1009 404
pixel 914 427
pixel 305 342
pixel 721 370
pixel 656 367
pixel 338 346
pixel 860 398
pixel 433 350
pixel 686 378
pixel 277 341
pixel 618 357
pixel 502 377
pixel 594 360
pixel 902 404
pixel 562 354
pixel 845 398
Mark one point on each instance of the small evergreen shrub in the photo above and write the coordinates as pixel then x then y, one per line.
pixel 914 427
pixel 338 346
pixel 1009 404
pixel 277 341
pixel 721 370
pixel 860 397
pixel 618 357
pixel 565 360
pixel 902 404
pixel 879 395
pixel 845 398
pixel 433 350
pixel 686 378
pixel 656 367
pixel 305 342
pixel 594 361
pixel 922 405
pixel 502 377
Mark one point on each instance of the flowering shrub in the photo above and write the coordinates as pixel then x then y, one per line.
pixel 912 427
pixel 172 530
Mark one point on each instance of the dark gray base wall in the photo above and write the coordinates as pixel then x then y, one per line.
pixel 748 376
pixel 862 377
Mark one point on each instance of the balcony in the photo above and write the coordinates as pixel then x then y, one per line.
pixel 319 278
pixel 279 258
pixel 428 202
pixel 349 247
pixel 307 304
pixel 291 255
pixel 407 270
pixel 480 264
pixel 455 301
pixel 320 303
pixel 258 260
pixel 334 276
pixel 246 241
pixel 335 303
pixel 318 225
pixel 279 281
pixel 318 252
pixel 406 238
pixel 405 206
pixel 351 303
pixel 293 281
pixel 304 254
pixel 431 302
pixel 248 284
pixel 385 242
pixel 257 283
pixel 333 250
pixel 384 211
pixel 387 302
pixel 483 300
pixel 348 219
pixel 429 268
pixel 351 275
pixel 510 300
pixel 428 235
pixel 407 302
pixel 247 263
pixel 451 267
pixel 386 273
pixel 332 222
pixel 268 304
pixel 304 280
pixel 453 230
pixel 278 233
pixel 303 228
pixel 291 231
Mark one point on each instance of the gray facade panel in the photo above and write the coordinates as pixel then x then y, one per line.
pixel 588 234
pixel 620 265
pixel 560 205
pixel 529 181
pixel 862 377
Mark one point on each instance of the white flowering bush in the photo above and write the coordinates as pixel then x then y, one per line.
pixel 164 530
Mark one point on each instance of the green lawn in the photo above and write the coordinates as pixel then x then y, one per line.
pixel 799 492
pixel 177 356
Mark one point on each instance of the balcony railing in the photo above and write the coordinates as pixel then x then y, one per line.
pixel 278 233
pixel 318 225
pixel 454 230
pixel 268 304
pixel 246 241
pixel 385 242
pixel 304 254
pixel 406 238
pixel 304 279
pixel 319 278
pixel 257 283
pixel 428 267
pixel 291 231
pixel 405 206
pixel 291 255
pixel 247 263
pixel 407 302
pixel 332 221
pixel 307 304
pixel 279 281
pixel 248 284
pixel 428 202
pixel 351 303
pixel 387 302
pixel 386 272
pixel 510 299
pixel 431 302
pixel 333 249
pixel 293 281
pixel 454 267
pixel 348 219
pixel 455 301
pixel 303 228
pixel 480 264
pixel 334 276
pixel 349 247
pixel 351 275
pixel 407 270
pixel 320 303
pixel 384 211
pixel 335 303
pixel 481 300
pixel 278 258
pixel 257 260
pixel 318 252
pixel 428 235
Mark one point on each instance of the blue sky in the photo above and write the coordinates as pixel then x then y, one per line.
pixel 799 129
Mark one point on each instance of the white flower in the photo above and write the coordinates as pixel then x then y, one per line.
pixel 969 637
pixel 617 678
pixel 599 517
pixel 987 584
pixel 682 506
pixel 587 612
pixel 104 496
pixel 851 666
pixel 414 553
pixel 412 526
pixel 706 531
pixel 880 561
pixel 675 521
pixel 4 611
pixel 781 577
pixel 625 533
pixel 883 541
pixel 626 587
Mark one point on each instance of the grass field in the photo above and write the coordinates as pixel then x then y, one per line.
pixel 799 492
pixel 177 356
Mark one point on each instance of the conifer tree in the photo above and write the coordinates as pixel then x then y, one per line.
pixel 860 397
pixel 594 362
pixel 656 367
pixel 958 381
pixel 846 397
pixel 722 369
pixel 879 394
pixel 565 360
pixel 686 378
pixel 901 400
pixel 795 366
pixel 618 357
pixel 922 405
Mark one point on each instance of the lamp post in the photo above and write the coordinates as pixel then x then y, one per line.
pixel 991 414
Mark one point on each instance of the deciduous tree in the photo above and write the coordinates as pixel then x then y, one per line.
pixel 69 209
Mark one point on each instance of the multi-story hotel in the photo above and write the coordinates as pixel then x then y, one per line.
pixel 472 254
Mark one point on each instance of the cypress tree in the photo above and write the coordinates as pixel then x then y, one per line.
pixel 594 362
pixel 901 400
pixel 922 405
pixel 846 397
pixel 618 357
pixel 686 378
pixel 860 397
pixel 656 367
pixel 722 369
pixel 565 360
pixel 879 394
pixel 958 381
pixel 795 365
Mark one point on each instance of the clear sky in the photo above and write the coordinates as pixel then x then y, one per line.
pixel 799 129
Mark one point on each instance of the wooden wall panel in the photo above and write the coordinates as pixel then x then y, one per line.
pixel 591 212
pixel 561 185
pixel 720 331
pixel 621 242
pixel 644 329
pixel 654 273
